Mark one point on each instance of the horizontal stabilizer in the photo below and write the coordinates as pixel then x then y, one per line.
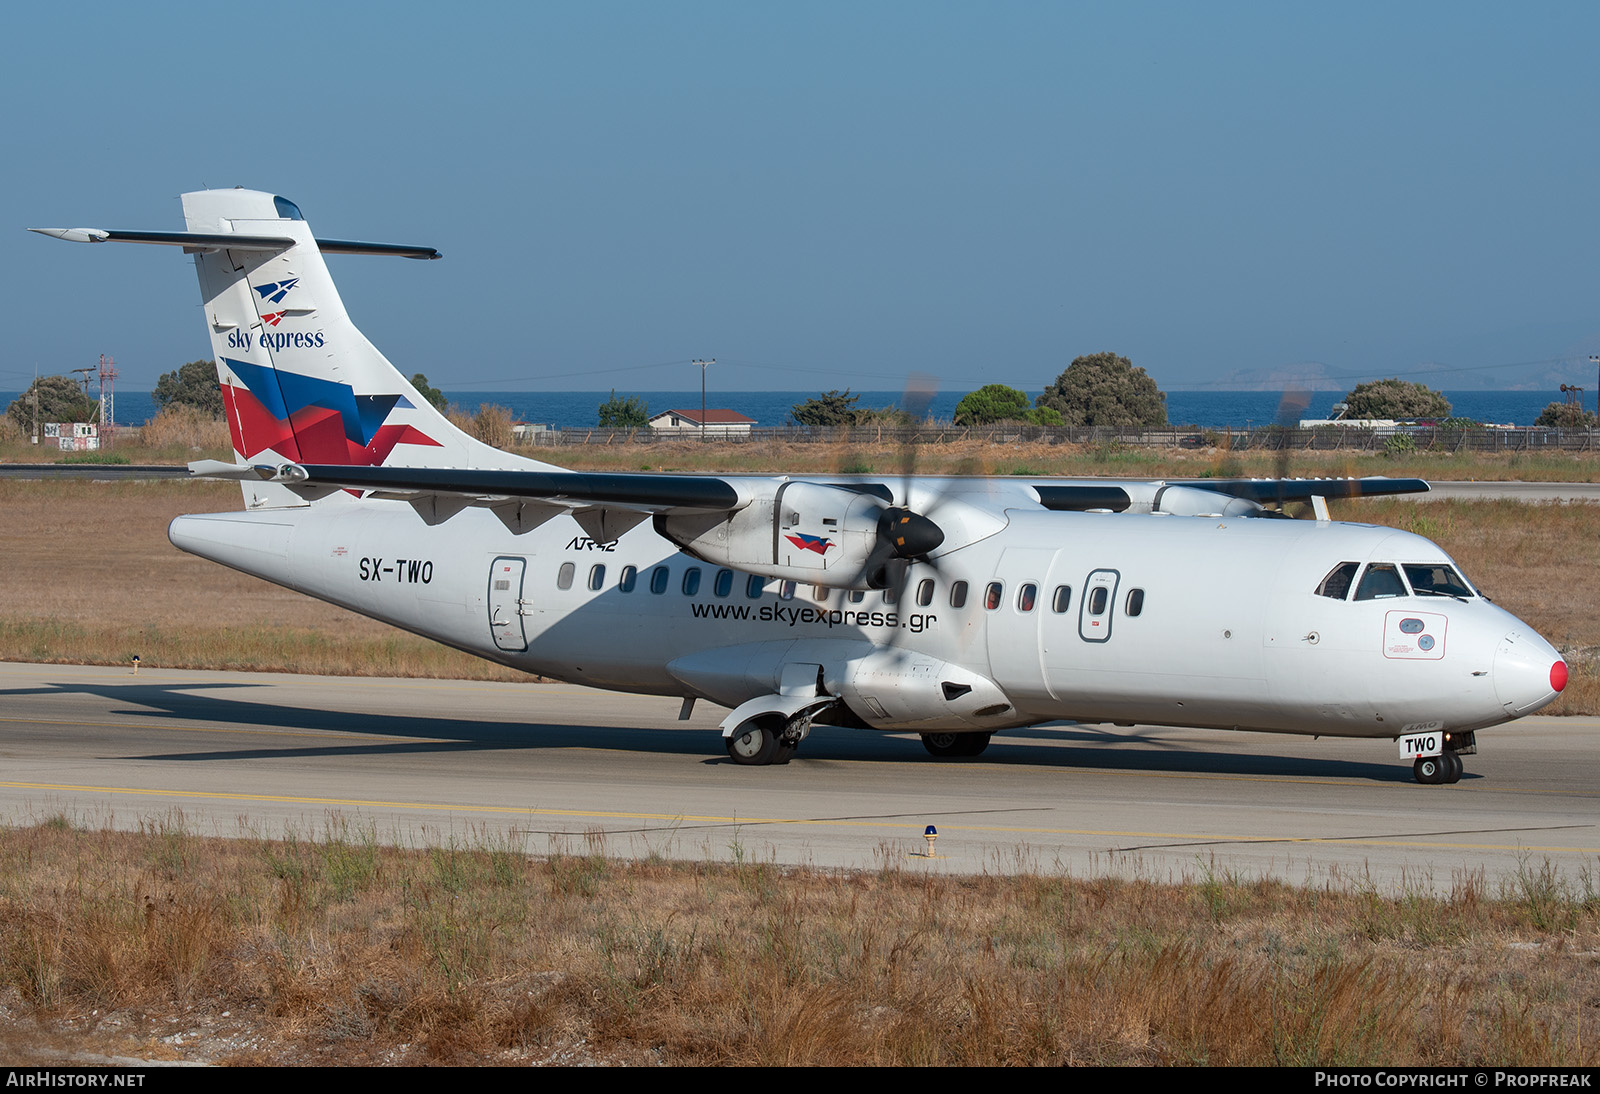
pixel 216 469
pixel 233 242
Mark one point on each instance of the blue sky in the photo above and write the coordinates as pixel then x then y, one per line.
pixel 826 195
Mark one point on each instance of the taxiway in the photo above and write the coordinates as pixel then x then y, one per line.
pixel 428 760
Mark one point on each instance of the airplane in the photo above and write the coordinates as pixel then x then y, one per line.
pixel 951 607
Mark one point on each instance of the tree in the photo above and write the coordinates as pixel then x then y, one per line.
pixel 992 403
pixel 999 403
pixel 631 412
pixel 1566 416
pixel 194 384
pixel 1396 399
pixel 831 408
pixel 1105 389
pixel 432 394
pixel 60 400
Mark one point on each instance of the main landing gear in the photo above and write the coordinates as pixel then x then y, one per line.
pixel 1436 770
pixel 949 746
pixel 762 741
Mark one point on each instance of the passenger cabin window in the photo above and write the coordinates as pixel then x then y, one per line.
pixel 1097 600
pixel 958 595
pixel 597 578
pixel 1380 582
pixel 724 584
pixel 564 575
pixel 856 596
pixel 1027 596
pixel 1337 584
pixel 890 595
pixel 786 590
pixel 1135 603
pixel 1062 600
pixel 1430 579
pixel 658 580
pixel 691 581
pixel 925 592
pixel 992 594
pixel 753 588
pixel 819 593
pixel 628 578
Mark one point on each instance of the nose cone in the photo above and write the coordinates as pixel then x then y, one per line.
pixel 1528 672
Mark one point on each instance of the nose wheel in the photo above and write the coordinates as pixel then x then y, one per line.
pixel 1437 770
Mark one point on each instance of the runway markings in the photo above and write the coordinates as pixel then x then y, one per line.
pixel 1195 839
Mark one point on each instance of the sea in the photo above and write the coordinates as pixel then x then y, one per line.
pixel 1204 409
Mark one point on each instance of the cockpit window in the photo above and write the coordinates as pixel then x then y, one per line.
pixel 1431 579
pixel 287 209
pixel 1380 582
pixel 1340 578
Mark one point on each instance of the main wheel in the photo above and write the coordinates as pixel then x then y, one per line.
pixel 753 746
pixel 1456 767
pixel 950 745
pixel 1430 770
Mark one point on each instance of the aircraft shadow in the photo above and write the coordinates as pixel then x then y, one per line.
pixel 1140 749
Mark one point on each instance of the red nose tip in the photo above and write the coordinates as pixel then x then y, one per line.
pixel 1558 675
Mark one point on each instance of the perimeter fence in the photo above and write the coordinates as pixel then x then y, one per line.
pixel 1269 438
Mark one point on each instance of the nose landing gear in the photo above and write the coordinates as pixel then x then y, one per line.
pixel 1437 770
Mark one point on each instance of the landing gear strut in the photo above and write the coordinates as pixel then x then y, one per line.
pixel 951 745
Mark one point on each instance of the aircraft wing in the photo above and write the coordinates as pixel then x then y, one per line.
pixel 663 493
pixel 1280 490
pixel 605 505
pixel 643 492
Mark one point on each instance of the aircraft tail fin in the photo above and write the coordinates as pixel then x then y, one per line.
pixel 300 383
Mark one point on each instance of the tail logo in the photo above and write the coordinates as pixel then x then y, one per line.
pixel 277 290
pixel 273 318
pixel 312 420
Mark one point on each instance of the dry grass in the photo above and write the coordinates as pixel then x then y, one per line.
pixel 334 948
pixel 91 579
pixel 974 457
pixel 178 437
pixel 181 430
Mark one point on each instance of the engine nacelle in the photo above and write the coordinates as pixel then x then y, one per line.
pixel 1192 501
pixel 803 531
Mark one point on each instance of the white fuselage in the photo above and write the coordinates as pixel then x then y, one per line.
pixel 1229 631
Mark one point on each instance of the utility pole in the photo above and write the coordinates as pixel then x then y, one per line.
pixel 1594 359
pixel 703 365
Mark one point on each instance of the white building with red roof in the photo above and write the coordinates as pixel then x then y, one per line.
pixel 718 423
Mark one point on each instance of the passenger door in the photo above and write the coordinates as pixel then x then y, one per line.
pixel 505 603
